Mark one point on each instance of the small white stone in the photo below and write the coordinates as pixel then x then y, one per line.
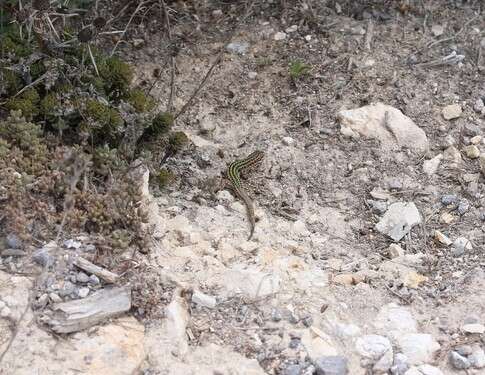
pixel 473 328
pixel 441 238
pixel 429 370
pixel 431 166
pixel 203 299
pixel 477 358
pixel 476 140
pixel 83 292
pixel 395 251
pixel 252 75
pixel 288 141
pixel 299 227
pixel 308 38
pixel 451 111
pixel 437 30
pixel 478 106
pixel 472 152
pixel 279 36
pixel 5 312
pixel 291 29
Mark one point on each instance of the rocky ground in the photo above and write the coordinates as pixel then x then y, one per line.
pixel 368 253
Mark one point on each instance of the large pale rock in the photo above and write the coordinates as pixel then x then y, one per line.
pixel 399 220
pixel 394 132
pixel 378 350
pixel 251 282
pixel 420 348
pixel 393 321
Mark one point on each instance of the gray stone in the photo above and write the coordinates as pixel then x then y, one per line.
pixel 276 315
pixel 292 370
pixel 377 349
pixel 430 167
pixel 43 257
pixel 395 184
pixel 331 365
pixel 378 206
pixel 54 297
pixel 238 47
pixel 13 241
pixel 464 350
pixel 394 320
pixel 93 279
pixel 400 364
pixel 460 245
pixel 478 106
pixel 72 244
pixel 81 277
pixel 473 328
pixel 458 361
pixel 448 199
pixel 67 289
pixel 463 206
pixel 418 347
pixel 471 130
pixel 451 111
pixel 83 292
pixel 5 312
pixel 477 357
pixel 399 220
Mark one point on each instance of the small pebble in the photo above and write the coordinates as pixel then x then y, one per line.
pixel 288 141
pixel 239 48
pixel 13 241
pixel 395 184
pixel 307 321
pixel 463 206
pixel 279 36
pixel 93 279
pixel 83 292
pixel 460 245
pixel 81 277
pixel 291 29
pixel 448 199
pixel 67 289
pixel 43 258
pixel 54 297
pixel 252 75
pixel 458 361
pixel 437 30
pixel 294 343
pixel 72 244
pixel 478 106
pixel 5 312
pixel 473 328
pixel 472 151
pixel 451 111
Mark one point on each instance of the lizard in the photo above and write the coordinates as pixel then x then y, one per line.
pixel 233 175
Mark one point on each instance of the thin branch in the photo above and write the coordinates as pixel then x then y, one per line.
pixel 215 63
pixel 172 57
pixel 127 26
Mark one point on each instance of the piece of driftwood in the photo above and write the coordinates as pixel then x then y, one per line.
pixel 89 267
pixel 83 313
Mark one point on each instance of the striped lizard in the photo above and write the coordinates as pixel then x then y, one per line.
pixel 233 174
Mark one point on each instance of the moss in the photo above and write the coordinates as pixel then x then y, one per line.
pixel 21 133
pixel 140 101
pixel 117 76
pixel 11 42
pixel 108 118
pixel 165 178
pixel 37 69
pixel 162 123
pixel 11 80
pixel 27 103
pixel 177 140
pixel 298 69
pixel 48 104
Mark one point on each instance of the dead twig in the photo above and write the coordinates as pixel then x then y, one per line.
pixel 138 8
pixel 172 57
pixel 369 34
pixel 215 63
